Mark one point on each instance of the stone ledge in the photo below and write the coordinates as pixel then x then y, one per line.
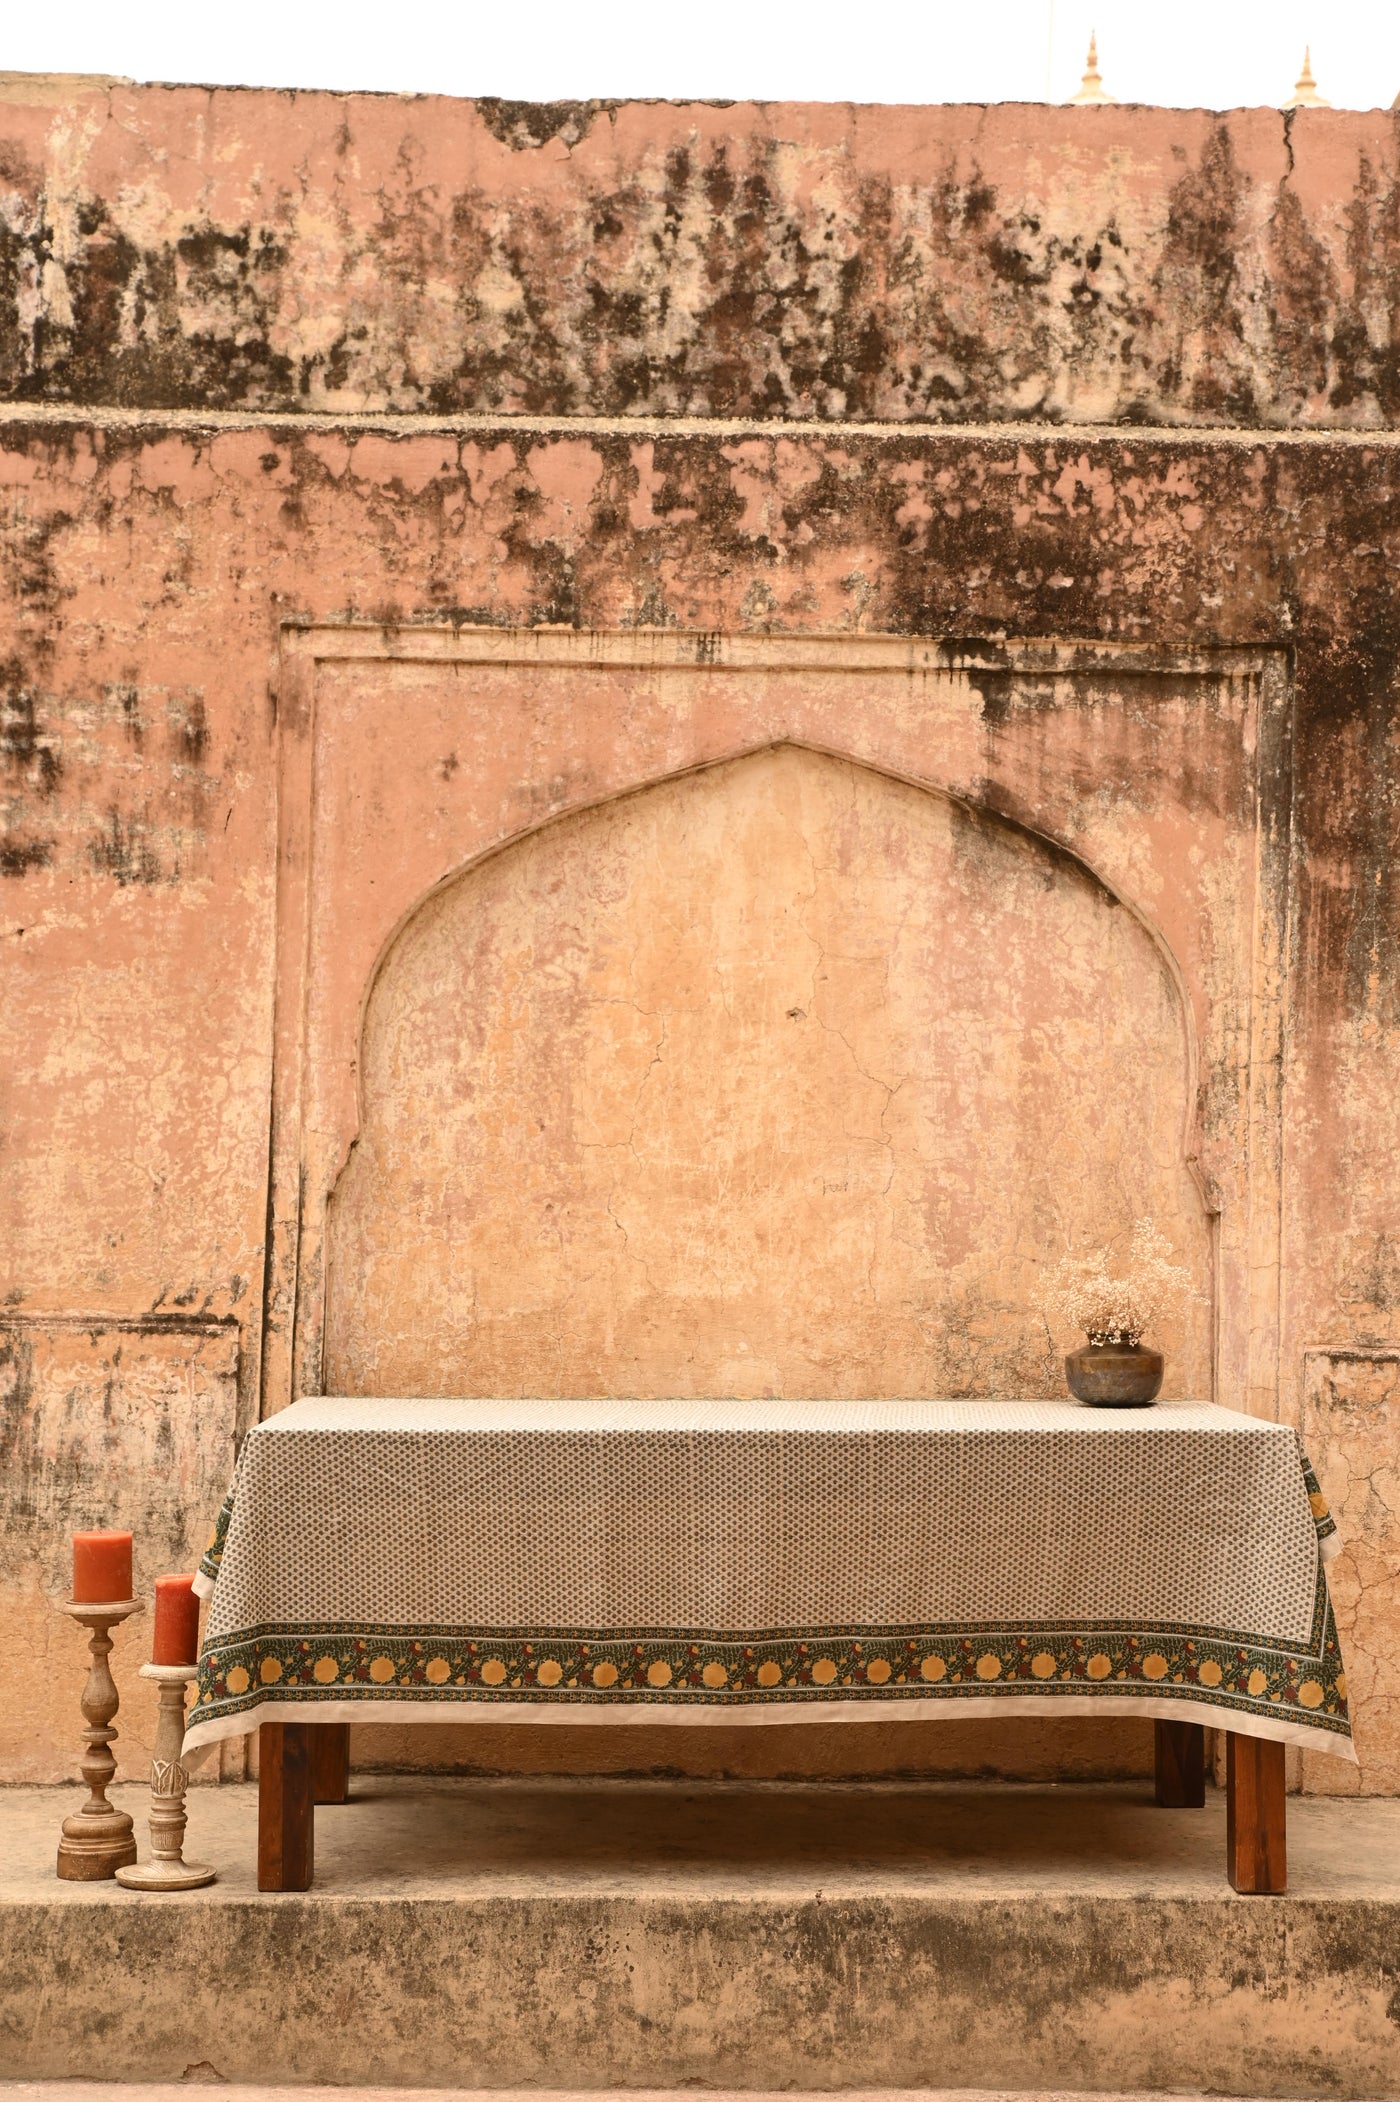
pixel 191 2090
pixel 597 1936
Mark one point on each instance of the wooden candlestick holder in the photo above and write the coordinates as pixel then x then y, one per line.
pixel 97 1839
pixel 167 1868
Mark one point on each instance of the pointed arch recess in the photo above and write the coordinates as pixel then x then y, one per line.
pixel 984 813
pixel 965 1326
pixel 985 726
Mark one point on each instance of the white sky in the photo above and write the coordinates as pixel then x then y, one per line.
pixel 1219 53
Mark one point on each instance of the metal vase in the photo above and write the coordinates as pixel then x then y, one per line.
pixel 1115 1375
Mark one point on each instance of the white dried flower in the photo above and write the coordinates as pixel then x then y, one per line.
pixel 1081 1292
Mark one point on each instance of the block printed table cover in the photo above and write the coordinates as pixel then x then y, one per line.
pixel 764 1561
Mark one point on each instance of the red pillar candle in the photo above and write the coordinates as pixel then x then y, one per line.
pixel 101 1568
pixel 175 1637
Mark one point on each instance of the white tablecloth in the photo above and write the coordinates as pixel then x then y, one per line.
pixel 722 1561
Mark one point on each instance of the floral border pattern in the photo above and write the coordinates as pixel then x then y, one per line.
pixel 388 1665
pixel 214 1550
pixel 1317 1503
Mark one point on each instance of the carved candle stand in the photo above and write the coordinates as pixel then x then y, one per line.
pixel 167 1868
pixel 98 1839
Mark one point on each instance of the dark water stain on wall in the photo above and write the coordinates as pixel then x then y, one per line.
pixel 749 273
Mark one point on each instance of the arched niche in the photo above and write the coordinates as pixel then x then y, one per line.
pixel 781 1077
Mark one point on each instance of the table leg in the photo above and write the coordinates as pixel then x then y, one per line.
pixel 1256 1815
pixel 330 1762
pixel 1181 1765
pixel 286 1811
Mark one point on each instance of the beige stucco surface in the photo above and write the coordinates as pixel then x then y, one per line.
pixel 782 1078
pixel 1352 1422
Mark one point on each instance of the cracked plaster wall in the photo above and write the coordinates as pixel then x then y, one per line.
pixel 151 543
pixel 140 884
pixel 148 1403
pixel 1351 1416
pixel 782 1078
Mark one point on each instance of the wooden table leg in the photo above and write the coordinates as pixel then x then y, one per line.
pixel 1256 1815
pixel 330 1762
pixel 286 1813
pixel 1181 1765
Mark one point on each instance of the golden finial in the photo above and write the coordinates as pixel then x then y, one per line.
pixel 1305 95
pixel 1091 86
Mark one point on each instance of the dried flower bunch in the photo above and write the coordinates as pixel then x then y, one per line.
pixel 1081 1291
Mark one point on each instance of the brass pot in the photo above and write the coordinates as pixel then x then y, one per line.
pixel 1115 1375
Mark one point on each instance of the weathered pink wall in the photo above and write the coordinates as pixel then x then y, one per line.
pixel 169 247
pixel 779 1078
pixel 211 303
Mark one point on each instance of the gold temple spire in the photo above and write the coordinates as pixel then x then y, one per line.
pixel 1091 88
pixel 1305 95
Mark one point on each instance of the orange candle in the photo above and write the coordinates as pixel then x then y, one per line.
pixel 175 1637
pixel 101 1568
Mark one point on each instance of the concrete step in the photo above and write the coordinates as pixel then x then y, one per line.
pixel 191 2091
pixel 644 1935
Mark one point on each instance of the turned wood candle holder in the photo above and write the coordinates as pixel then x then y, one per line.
pixel 167 1868
pixel 98 1839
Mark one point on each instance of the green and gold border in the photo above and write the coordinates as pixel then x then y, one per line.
pixel 385 1665
pixel 1317 1503
pixel 214 1551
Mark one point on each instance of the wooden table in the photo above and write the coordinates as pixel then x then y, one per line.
pixel 303 1764
pixel 684 1562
